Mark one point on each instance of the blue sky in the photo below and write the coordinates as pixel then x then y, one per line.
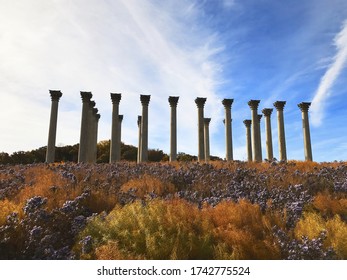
pixel 293 50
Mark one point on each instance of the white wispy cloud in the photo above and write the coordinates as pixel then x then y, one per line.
pixel 128 46
pixel 327 81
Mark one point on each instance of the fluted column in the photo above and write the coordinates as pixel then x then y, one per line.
pixel 91 131
pixel 120 120
pixel 207 138
pixel 200 103
pixel 228 130
pixel 144 127
pixel 304 106
pixel 279 105
pixel 253 104
pixel 95 157
pixel 260 151
pixel 139 118
pixel 269 150
pixel 173 100
pixel 83 147
pixel 50 152
pixel 248 124
pixel 115 144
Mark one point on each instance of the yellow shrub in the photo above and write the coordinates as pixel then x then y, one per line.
pixel 312 224
pixel 160 230
pixel 6 208
pixel 337 235
pixel 110 251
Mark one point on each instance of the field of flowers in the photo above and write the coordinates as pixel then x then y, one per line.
pixel 236 210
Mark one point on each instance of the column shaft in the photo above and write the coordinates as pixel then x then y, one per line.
pixel 139 118
pixel 200 102
pixel 260 152
pixel 253 104
pixel 91 131
pixel 228 129
pixel 304 106
pixel 95 156
pixel 279 105
pixel 269 149
pixel 144 127
pixel 83 147
pixel 120 119
pixel 248 124
pixel 115 144
pixel 50 153
pixel 173 100
pixel 207 138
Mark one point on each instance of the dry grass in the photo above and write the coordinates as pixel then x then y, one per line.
pixel 146 184
pixel 329 206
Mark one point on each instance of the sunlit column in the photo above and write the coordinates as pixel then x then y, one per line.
pixel 115 144
pixel 200 102
pixel 139 118
pixel 279 105
pixel 50 153
pixel 97 118
pixel 260 152
pixel 207 138
pixel 269 150
pixel 144 127
pixel 91 130
pixel 253 104
pixel 93 137
pixel 304 106
pixel 83 147
pixel 120 120
pixel 173 100
pixel 248 124
pixel 228 129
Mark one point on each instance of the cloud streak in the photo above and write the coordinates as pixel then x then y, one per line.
pixel 327 81
pixel 105 46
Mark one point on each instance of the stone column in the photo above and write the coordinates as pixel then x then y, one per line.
pixel 83 147
pixel 139 118
pixel 173 100
pixel 228 130
pixel 50 152
pixel 279 105
pixel 304 106
pixel 207 138
pixel 200 102
pixel 120 119
pixel 269 150
pixel 91 131
pixel 260 151
pixel 94 132
pixel 253 104
pixel 115 144
pixel 144 127
pixel 97 117
pixel 248 124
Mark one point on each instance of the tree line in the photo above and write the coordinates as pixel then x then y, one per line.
pixel 69 153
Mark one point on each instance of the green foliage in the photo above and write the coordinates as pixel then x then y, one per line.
pixel 185 157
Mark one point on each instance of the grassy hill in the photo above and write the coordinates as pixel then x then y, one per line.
pixel 184 210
